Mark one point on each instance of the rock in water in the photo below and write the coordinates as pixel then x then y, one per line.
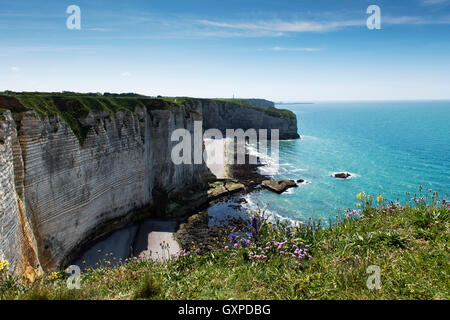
pixel 278 186
pixel 300 181
pixel 342 175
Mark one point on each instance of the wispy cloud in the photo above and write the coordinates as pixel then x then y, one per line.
pixel 415 20
pixel 432 2
pixel 285 26
pixel 9 50
pixel 100 29
pixel 295 49
pixel 15 69
pixel 126 74
pixel 281 27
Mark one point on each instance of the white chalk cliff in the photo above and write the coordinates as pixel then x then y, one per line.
pixel 55 191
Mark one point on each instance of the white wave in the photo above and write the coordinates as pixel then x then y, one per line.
pixel 270 166
pixel 252 206
pixel 308 137
pixel 268 171
pixel 289 191
pixel 299 170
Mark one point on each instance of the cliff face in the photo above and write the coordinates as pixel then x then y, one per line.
pixel 17 242
pixel 227 115
pixel 57 189
pixel 263 103
pixel 68 189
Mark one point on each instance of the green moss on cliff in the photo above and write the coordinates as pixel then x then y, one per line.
pixel 71 107
pixel 2 117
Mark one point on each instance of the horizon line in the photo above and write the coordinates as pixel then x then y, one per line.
pixel 275 101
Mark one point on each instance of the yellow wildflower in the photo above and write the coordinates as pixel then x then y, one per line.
pixel 4 265
pixel 54 276
pixel 380 198
pixel 361 195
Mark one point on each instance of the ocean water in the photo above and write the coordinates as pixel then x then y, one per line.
pixel 390 148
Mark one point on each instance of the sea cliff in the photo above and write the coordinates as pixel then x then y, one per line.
pixel 71 163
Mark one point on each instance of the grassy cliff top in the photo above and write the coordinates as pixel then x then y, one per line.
pixel 47 103
pixel 79 104
pixel 72 106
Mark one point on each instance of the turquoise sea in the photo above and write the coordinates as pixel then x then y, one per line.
pixel 390 148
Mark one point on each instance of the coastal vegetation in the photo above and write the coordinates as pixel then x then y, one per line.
pixel 72 106
pixel 273 259
pixel 2 117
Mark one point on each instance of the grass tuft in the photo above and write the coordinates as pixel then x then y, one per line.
pixel 147 288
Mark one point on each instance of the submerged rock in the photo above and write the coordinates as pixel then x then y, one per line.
pixel 342 175
pixel 278 186
pixel 300 181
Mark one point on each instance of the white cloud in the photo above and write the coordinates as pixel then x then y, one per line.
pixel 15 69
pixel 282 28
pixel 286 26
pixel 295 49
pixel 126 74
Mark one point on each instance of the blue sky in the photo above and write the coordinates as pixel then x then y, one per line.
pixel 274 49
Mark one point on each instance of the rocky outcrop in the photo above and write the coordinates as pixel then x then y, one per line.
pixel 278 186
pixel 17 242
pixel 342 175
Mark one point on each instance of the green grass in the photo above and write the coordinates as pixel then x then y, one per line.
pixel 2 117
pixel 71 107
pixel 409 243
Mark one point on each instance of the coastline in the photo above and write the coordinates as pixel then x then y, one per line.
pixel 180 217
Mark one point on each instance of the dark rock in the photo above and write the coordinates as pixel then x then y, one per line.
pixel 342 175
pixel 300 180
pixel 278 186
